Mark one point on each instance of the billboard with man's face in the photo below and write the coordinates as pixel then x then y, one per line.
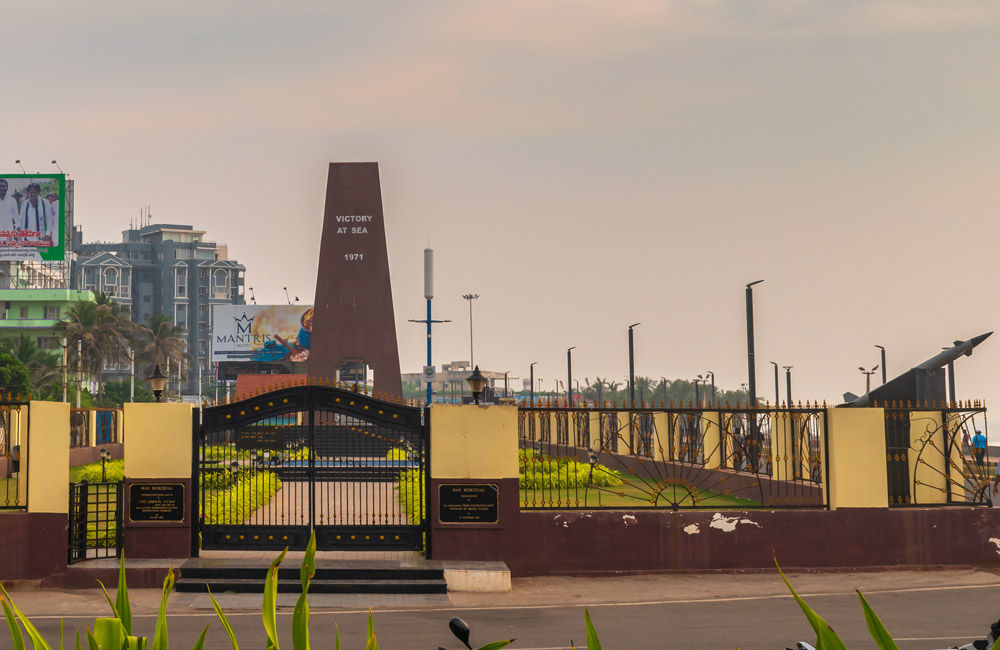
pixel 32 217
pixel 264 333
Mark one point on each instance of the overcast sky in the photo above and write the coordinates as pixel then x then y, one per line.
pixel 580 165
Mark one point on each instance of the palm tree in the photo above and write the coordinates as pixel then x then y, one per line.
pixel 158 339
pixel 43 369
pixel 103 333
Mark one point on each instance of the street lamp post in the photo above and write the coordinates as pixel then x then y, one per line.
pixel 868 377
pixel 712 375
pixel 777 395
pixel 751 366
pixel 697 392
pixel 569 376
pixel 157 381
pixel 631 366
pixel 532 390
pixel 472 355
pixel 506 372
pixel 476 383
pixel 788 384
pixel 882 349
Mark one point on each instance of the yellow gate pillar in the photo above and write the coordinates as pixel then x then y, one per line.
pixel 158 506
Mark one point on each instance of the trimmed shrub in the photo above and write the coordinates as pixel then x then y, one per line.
pixel 397 453
pixel 539 471
pixel 102 534
pixel 235 505
pixel 410 485
pixel 114 470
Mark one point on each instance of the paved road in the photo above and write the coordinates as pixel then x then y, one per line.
pixel 928 609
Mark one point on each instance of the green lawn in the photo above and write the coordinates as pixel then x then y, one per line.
pixel 635 493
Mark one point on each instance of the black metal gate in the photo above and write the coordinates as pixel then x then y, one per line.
pixel 271 469
pixel 95 520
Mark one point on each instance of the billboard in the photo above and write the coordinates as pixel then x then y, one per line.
pixel 262 333
pixel 32 217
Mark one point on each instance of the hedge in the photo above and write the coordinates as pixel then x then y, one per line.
pixel 236 504
pixel 115 471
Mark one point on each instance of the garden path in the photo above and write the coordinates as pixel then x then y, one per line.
pixel 337 503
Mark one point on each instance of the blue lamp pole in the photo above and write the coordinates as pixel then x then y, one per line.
pixel 429 295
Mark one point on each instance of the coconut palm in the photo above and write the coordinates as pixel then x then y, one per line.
pixel 103 333
pixel 159 339
pixel 43 368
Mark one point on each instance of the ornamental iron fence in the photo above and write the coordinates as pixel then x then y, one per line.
pixel 672 457
pixel 932 455
pixel 13 473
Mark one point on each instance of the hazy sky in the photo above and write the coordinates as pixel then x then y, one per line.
pixel 580 165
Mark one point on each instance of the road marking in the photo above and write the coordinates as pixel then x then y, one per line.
pixel 288 611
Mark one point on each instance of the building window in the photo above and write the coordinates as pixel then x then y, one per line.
pixel 202 274
pixel 202 291
pixel 182 253
pixel 51 312
pixel 48 342
pixel 181 315
pixel 202 312
pixel 24 312
pixel 220 284
pixel 180 282
pixel 109 281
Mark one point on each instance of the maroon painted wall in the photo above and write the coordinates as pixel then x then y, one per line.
pixel 605 541
pixel 583 542
pixel 85 455
pixel 32 545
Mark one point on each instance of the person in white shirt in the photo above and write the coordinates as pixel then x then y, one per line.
pixel 36 213
pixel 8 208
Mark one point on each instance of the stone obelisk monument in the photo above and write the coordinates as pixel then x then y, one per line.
pixel 353 321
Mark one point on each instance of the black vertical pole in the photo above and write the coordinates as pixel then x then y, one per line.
pixel 195 507
pixel 631 367
pixel 569 376
pixel 777 395
pixel 754 447
pixel 951 381
pixel 883 363
pixel 532 390
pixel 788 384
pixel 751 366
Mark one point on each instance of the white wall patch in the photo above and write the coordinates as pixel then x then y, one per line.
pixel 728 524
pixel 629 520
pixel 996 540
pixel 692 529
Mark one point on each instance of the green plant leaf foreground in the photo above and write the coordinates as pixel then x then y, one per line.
pixel 826 638
pixel 270 598
pixel 37 641
pixel 593 643
pixel 300 617
pixel 225 621
pixel 371 643
pixel 15 629
pixel 200 643
pixel 881 636
pixel 122 607
pixel 108 633
pixel 496 645
pixel 160 637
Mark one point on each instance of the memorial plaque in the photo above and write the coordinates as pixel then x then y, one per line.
pixel 156 502
pixel 469 503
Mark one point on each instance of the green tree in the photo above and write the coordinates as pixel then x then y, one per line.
pixel 43 368
pixel 103 333
pixel 14 377
pixel 159 339
pixel 117 393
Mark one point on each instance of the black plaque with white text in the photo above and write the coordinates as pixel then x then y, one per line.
pixel 156 502
pixel 469 503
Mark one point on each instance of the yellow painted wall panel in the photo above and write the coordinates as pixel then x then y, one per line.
pixel 159 440
pixel 857 458
pixel 928 473
pixel 47 456
pixel 470 441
